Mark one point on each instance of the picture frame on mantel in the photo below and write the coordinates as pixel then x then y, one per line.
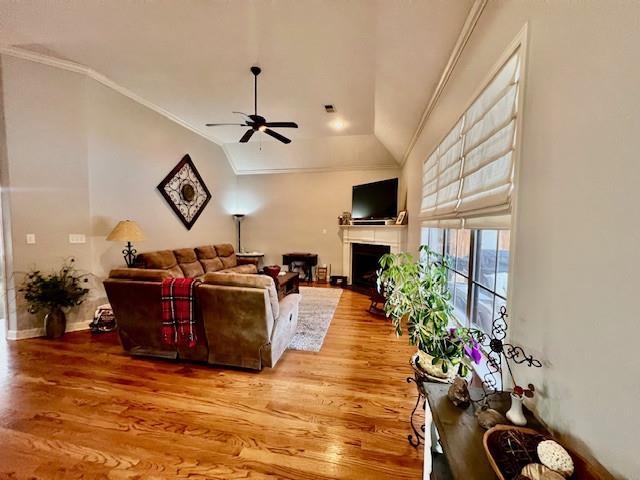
pixel 402 218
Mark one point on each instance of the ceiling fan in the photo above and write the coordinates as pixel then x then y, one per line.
pixel 255 122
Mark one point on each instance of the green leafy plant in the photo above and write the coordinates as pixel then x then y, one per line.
pixel 417 297
pixel 59 289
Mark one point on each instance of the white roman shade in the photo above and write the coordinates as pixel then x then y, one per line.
pixel 470 174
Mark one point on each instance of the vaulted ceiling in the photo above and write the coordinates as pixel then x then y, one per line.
pixel 378 62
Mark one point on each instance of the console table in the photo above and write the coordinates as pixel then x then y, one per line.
pixel 308 261
pixel 458 433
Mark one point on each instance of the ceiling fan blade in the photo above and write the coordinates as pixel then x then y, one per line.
pixel 276 135
pixel 281 124
pixel 245 138
pixel 224 124
pixel 242 113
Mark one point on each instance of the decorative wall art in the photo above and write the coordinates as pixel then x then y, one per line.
pixel 185 191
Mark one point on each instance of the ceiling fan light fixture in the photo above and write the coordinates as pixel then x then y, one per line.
pixel 258 123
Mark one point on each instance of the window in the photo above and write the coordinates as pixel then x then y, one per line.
pixel 468 185
pixel 478 265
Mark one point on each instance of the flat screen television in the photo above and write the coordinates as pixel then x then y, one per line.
pixel 375 201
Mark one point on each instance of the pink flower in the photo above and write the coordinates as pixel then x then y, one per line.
pixel 473 352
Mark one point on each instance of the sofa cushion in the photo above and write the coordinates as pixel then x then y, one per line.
pixel 161 259
pixel 188 262
pixel 227 255
pixel 140 274
pixel 208 257
pixel 247 280
pixel 248 268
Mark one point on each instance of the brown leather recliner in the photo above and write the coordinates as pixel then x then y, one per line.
pixel 245 323
pixel 135 296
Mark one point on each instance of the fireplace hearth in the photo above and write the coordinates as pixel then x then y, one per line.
pixel 365 260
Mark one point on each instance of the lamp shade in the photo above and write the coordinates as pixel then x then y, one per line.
pixel 126 231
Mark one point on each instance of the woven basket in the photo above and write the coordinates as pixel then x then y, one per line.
pixel 506 464
pixel 510 448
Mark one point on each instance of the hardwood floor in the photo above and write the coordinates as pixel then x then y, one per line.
pixel 80 408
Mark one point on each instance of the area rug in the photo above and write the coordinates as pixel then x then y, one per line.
pixel 316 312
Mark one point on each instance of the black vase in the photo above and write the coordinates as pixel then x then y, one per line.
pixel 55 323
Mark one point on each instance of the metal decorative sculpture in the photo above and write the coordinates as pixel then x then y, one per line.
pixel 497 350
pixel 185 191
pixel 499 354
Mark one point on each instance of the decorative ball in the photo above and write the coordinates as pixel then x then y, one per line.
pixel 536 471
pixel 554 456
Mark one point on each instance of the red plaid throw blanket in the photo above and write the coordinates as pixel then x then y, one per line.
pixel 177 312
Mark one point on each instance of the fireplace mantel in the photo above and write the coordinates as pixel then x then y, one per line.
pixel 395 236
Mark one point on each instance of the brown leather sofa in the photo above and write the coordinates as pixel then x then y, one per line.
pixel 195 262
pixel 239 320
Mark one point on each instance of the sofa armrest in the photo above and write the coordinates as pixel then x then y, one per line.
pixel 289 304
pixel 140 274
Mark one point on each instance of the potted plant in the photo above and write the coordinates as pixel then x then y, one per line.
pixel 53 292
pixel 416 295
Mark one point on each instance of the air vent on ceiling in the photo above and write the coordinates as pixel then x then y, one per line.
pixel 330 108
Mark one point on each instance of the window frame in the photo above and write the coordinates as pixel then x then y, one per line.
pixel 472 283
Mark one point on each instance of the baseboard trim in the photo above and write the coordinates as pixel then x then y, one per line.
pixel 39 331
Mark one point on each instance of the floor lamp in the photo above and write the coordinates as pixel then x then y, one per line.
pixel 238 218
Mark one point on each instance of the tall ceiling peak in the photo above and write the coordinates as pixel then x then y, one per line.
pixel 379 61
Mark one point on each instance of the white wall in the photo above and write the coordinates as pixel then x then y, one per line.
pixel 47 171
pixel 575 241
pixel 131 149
pixel 81 157
pixel 291 212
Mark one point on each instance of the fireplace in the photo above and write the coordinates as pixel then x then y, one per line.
pixel 387 238
pixel 364 264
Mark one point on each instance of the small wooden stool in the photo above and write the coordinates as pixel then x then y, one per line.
pixel 321 274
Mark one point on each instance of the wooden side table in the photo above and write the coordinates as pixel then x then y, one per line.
pixel 287 283
pixel 252 257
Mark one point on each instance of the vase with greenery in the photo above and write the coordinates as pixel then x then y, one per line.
pixel 417 298
pixel 52 293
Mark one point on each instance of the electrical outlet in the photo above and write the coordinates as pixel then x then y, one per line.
pixel 31 238
pixel 77 238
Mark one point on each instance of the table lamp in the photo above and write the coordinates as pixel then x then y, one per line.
pixel 127 231
pixel 238 217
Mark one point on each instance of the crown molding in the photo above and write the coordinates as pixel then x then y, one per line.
pixel 467 29
pixel 225 149
pixel 345 168
pixel 74 67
